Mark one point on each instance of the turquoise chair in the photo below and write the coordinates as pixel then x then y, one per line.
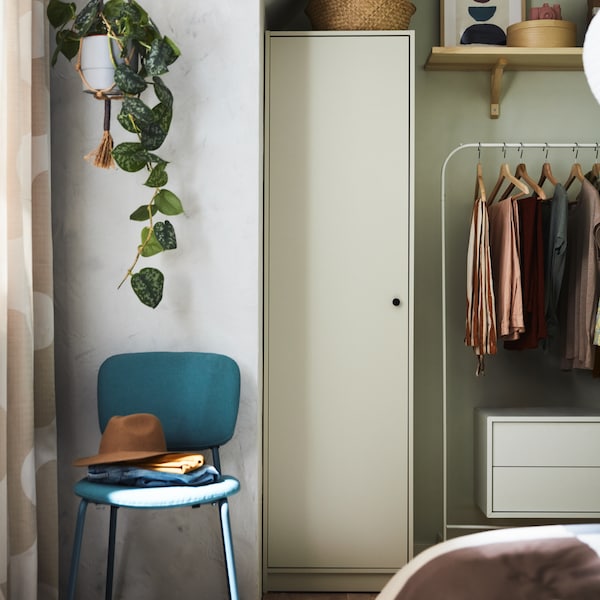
pixel 196 397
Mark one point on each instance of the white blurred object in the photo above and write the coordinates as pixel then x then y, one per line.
pixel 591 56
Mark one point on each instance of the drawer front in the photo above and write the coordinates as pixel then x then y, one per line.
pixel 552 444
pixel 550 490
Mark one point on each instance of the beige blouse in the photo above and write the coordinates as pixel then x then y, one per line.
pixel 480 323
pixel 506 268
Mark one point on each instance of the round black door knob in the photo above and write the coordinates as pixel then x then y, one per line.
pixel 396 301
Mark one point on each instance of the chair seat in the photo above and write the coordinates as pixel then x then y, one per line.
pixel 156 497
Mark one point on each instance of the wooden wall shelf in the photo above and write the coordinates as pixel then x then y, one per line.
pixel 498 59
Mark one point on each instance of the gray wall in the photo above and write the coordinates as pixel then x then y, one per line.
pixel 212 301
pixel 453 108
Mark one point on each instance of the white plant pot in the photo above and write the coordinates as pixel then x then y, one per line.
pixel 99 57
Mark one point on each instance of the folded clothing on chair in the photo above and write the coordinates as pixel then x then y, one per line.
pixel 171 463
pixel 134 475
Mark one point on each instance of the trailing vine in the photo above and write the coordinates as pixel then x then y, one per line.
pixel 145 56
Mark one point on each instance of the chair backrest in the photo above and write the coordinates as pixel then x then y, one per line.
pixel 194 394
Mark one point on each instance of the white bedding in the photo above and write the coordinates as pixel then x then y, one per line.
pixel 552 562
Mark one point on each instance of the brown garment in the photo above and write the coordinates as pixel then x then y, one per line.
pixel 506 268
pixel 548 569
pixel 532 275
pixel 582 280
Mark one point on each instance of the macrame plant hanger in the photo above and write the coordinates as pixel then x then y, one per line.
pixel 102 155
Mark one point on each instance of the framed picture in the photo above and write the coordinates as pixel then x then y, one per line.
pixel 478 21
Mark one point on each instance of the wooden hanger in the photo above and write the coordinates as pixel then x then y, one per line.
pixel 596 166
pixel 547 174
pixel 479 185
pixel 506 175
pixel 576 173
pixel 521 173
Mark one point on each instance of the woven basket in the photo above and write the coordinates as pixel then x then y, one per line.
pixel 353 15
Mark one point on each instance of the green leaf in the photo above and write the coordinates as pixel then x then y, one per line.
pixel 135 24
pixel 60 13
pixel 158 176
pixel 130 156
pixel 67 43
pixel 160 56
pixel 168 203
pixel 154 158
pixel 127 22
pixel 165 234
pixel 140 14
pixel 87 19
pixel 163 93
pixel 127 123
pixel 141 113
pixel 175 51
pixel 163 115
pixel 128 80
pixel 142 214
pixel 152 136
pixel 113 9
pixel 148 286
pixel 152 246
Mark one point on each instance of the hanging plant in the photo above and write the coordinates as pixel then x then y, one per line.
pixel 139 56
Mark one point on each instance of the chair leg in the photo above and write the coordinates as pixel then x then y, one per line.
pixel 76 548
pixel 110 561
pixel 228 548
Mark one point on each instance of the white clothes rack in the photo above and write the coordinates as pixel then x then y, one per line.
pixel 504 146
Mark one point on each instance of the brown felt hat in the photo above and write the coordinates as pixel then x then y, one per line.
pixel 128 438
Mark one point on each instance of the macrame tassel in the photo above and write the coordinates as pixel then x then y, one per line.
pixel 102 155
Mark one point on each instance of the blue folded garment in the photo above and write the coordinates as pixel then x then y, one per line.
pixel 123 474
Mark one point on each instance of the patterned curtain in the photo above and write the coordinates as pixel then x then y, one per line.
pixel 28 480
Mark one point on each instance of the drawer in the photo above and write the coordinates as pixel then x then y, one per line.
pixel 546 443
pixel 559 490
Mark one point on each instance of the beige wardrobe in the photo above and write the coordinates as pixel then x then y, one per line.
pixel 338 309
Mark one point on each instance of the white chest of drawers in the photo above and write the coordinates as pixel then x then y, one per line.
pixel 538 463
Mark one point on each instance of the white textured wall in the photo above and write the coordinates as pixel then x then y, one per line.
pixel 212 291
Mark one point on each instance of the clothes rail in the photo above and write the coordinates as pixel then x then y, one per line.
pixel 504 146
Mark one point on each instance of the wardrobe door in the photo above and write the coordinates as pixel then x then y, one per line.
pixel 338 309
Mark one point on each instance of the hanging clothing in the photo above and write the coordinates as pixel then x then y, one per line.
pixel 554 216
pixel 532 274
pixel 506 268
pixel 582 278
pixel 481 311
pixel 597 326
pixel 593 179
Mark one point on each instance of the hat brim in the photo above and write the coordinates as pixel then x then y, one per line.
pixel 115 457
